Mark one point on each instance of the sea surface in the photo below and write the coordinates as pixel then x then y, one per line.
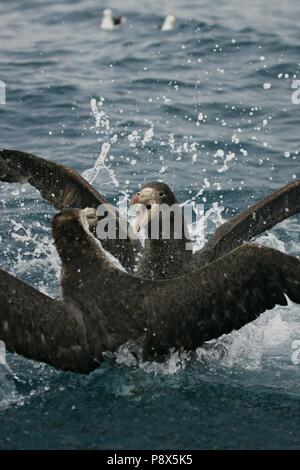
pixel 206 107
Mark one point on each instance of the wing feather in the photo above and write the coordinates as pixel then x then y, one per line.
pixel 40 328
pixel 225 295
pixel 253 221
pixel 63 187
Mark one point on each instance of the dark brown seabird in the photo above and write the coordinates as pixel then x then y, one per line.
pixel 162 257
pixel 235 284
pixel 171 258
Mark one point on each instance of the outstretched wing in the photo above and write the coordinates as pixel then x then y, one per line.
pixel 258 218
pixel 41 328
pixel 225 295
pixel 63 187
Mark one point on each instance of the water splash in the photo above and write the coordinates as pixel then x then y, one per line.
pixel 130 355
pixel 101 118
pixel 100 171
pixel 8 392
pixel 148 136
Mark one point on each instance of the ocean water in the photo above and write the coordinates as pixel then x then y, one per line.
pixel 206 107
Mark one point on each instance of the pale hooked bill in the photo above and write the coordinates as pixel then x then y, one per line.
pixel 108 22
pixel 169 23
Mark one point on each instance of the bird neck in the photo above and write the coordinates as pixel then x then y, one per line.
pixel 166 257
pixel 168 224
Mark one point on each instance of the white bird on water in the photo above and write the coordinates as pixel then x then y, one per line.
pixel 108 22
pixel 169 23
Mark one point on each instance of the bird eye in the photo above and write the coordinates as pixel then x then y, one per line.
pixel 161 194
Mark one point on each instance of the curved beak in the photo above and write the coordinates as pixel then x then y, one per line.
pixel 145 196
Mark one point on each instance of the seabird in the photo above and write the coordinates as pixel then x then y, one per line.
pixel 108 22
pixel 169 23
pixel 170 258
pixel 163 257
pixel 103 307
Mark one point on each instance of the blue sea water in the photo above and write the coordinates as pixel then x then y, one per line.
pixel 206 107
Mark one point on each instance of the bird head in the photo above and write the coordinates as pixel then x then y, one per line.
pixel 152 195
